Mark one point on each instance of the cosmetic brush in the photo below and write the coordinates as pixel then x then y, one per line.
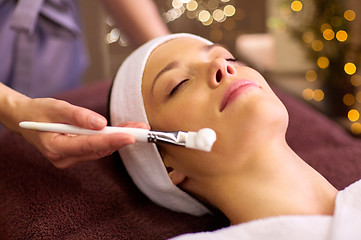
pixel 202 140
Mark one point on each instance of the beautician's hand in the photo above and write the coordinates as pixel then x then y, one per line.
pixel 64 150
pixel 61 149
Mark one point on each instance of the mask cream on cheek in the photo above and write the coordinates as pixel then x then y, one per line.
pixel 201 140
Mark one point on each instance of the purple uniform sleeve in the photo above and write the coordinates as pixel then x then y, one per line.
pixel 42 50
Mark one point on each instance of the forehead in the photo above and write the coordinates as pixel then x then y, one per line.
pixel 173 50
pixel 176 47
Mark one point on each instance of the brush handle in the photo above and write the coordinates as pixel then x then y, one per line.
pixel 139 133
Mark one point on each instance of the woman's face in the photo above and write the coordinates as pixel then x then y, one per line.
pixel 189 85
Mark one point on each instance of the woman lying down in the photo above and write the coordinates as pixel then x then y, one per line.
pixel 184 82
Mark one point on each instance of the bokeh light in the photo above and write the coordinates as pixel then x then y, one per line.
pixel 229 10
pixel 311 76
pixel 328 34
pixel 192 5
pixel 341 35
pixel 356 80
pixel 353 115
pixel 204 16
pixel 113 36
pixel 318 95
pixel 323 62
pixel 317 45
pixel 307 94
pixel 296 6
pixel 209 22
pixel 325 26
pixel 356 128
pixel 349 99
pixel 177 3
pixel 218 15
pixel 308 37
pixel 350 68
pixel 350 15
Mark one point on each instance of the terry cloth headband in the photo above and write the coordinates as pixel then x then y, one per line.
pixel 142 160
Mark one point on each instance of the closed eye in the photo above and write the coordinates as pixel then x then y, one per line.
pixel 232 59
pixel 178 87
pixel 235 61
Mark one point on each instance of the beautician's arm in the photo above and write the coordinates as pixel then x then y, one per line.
pixel 139 19
pixel 62 150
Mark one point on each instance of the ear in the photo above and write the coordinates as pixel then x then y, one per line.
pixel 176 176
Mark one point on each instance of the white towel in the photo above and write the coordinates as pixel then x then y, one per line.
pixel 344 225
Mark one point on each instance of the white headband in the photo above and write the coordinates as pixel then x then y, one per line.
pixel 142 160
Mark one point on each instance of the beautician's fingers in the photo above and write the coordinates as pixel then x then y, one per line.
pixel 64 112
pixel 135 125
pixel 64 150
pixel 103 148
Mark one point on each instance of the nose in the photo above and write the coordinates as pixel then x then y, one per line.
pixel 220 70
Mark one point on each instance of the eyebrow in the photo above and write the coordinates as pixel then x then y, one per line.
pixel 175 64
pixel 167 68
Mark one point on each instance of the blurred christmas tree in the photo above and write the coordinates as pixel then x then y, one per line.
pixel 323 27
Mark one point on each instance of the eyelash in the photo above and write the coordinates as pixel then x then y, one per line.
pixel 232 59
pixel 174 90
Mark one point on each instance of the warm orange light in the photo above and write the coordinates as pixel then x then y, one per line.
pixel 318 95
pixel 350 15
pixel 307 94
pixel 325 26
pixel 353 115
pixel 296 6
pixel 329 34
pixel 356 128
pixel 356 80
pixel 349 99
pixel 323 62
pixel 317 45
pixel 308 37
pixel 350 68
pixel 341 35
pixel 311 76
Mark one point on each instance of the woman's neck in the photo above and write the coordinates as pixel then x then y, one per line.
pixel 275 182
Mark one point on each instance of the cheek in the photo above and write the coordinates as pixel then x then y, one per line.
pixel 185 113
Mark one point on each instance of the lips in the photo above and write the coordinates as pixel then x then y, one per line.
pixel 234 90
